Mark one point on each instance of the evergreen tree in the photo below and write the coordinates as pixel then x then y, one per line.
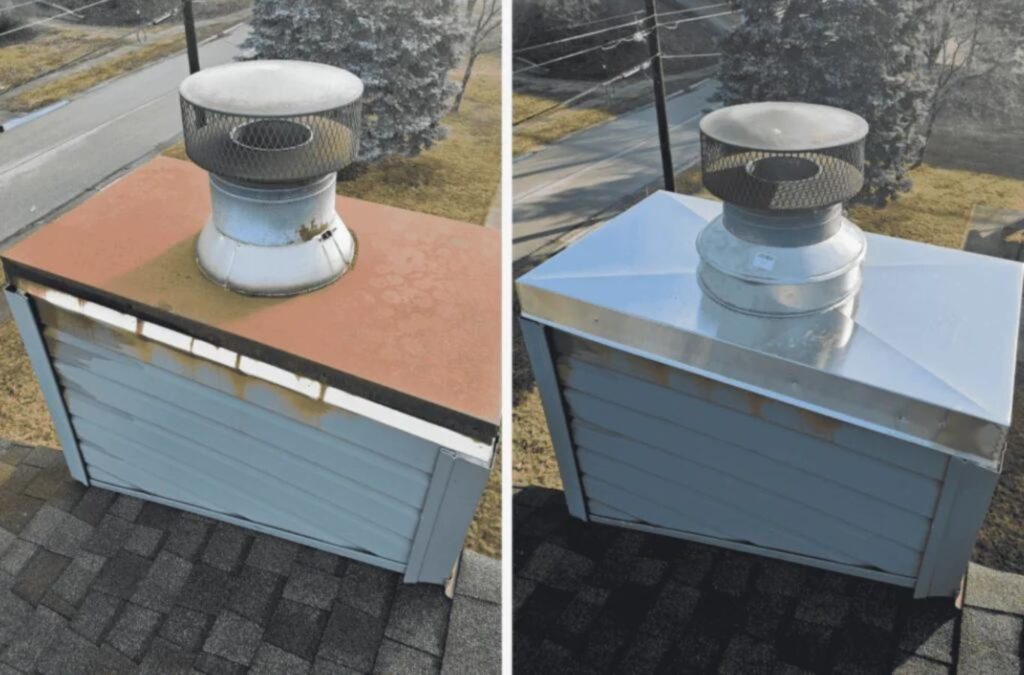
pixel 403 51
pixel 854 54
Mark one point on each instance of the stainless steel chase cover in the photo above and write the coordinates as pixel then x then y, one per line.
pixel 924 352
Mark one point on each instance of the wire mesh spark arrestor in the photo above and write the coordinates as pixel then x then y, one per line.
pixel 782 245
pixel 273 135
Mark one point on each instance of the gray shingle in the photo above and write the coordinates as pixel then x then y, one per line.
pixel 17 556
pixel 398 659
pixel 93 505
pixel 558 567
pixel 207 590
pixel 367 588
pixel 296 628
pixel 419 617
pixel 68 654
pixel 42 457
pixel 351 638
pixel 74 583
pixel 312 587
pixel 479 577
pixel 272 554
pixel 256 591
pixel 133 631
pixel 121 574
pixel 233 638
pixel 95 615
pixel 185 628
pixel 270 660
pixel 14 614
pixel 474 637
pixel 164 658
pixel 34 637
pixel 226 547
pixel 989 642
pixel 126 507
pixel 38 574
pixel 43 525
pixel 186 536
pixel 143 540
pixel 162 583
pixel 108 536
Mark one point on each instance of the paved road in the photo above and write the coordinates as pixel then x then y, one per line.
pixel 49 161
pixel 569 182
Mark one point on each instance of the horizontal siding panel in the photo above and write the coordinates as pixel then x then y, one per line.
pixel 401 481
pixel 234 459
pixel 879 446
pixel 68 328
pixel 114 459
pixel 645 509
pixel 757 515
pixel 755 476
pixel 667 420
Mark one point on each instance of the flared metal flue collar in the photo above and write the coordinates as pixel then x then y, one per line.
pixel 779 155
pixel 273 121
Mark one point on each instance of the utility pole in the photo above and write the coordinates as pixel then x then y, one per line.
pixel 654 47
pixel 190 36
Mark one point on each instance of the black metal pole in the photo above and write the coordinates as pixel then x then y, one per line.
pixel 654 47
pixel 190 36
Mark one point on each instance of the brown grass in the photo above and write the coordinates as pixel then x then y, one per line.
pixel 82 80
pixel 23 414
pixel 552 126
pixel 24 61
pixel 456 178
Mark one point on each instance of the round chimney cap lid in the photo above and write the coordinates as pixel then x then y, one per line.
pixel 272 88
pixel 784 126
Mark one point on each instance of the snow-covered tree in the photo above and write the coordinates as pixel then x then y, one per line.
pixel 402 50
pixel 854 54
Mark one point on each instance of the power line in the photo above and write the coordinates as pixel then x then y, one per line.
pixel 690 56
pixel 672 25
pixel 607 18
pixel 580 36
pixel 621 76
pixel 23 4
pixel 54 17
pixel 607 46
pixel 693 9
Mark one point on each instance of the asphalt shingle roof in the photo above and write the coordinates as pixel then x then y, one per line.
pixel 95 582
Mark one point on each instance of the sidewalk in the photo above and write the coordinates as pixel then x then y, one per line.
pixel 93 582
pixel 565 184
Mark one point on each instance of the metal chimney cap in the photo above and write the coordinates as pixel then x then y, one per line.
pixel 784 126
pixel 271 88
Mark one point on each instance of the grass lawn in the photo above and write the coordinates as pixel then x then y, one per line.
pixel 936 211
pixel 77 82
pixel 550 127
pixel 23 61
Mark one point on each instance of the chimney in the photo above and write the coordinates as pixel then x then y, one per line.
pixel 759 374
pixel 273 135
pixel 782 246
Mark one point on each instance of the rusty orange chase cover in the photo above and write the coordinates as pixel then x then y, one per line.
pixel 416 324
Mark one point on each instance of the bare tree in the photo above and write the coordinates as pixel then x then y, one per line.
pixel 484 17
pixel 967 41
